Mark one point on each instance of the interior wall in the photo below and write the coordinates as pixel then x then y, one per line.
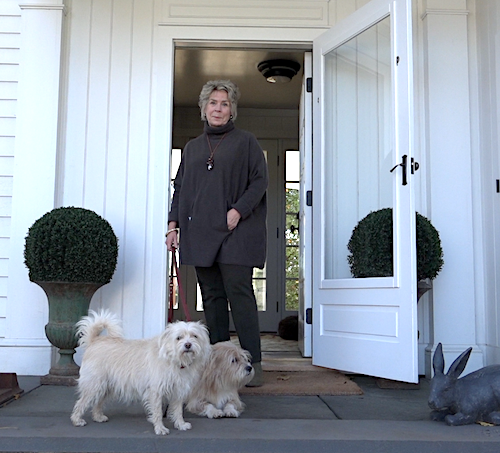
pixel 263 123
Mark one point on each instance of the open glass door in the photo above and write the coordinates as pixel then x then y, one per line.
pixel 362 120
pixel 305 219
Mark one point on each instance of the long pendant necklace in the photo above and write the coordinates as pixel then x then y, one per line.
pixel 210 161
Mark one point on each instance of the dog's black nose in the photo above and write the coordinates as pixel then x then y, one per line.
pixel 187 345
pixel 248 368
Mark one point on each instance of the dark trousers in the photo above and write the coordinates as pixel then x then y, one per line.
pixel 219 284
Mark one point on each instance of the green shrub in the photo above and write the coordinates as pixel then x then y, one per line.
pixel 71 245
pixel 371 247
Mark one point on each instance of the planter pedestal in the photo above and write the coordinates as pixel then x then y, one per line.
pixel 423 286
pixel 68 302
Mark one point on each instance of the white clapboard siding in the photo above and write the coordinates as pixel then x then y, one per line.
pixel 10 26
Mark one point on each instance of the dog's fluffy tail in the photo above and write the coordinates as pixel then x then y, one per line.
pixel 91 326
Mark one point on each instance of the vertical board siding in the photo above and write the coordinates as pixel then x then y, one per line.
pixel 10 26
pixel 115 200
pixel 106 146
pixel 139 151
pixel 74 140
pixel 97 105
pixel 488 27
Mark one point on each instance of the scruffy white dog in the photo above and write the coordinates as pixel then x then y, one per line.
pixel 227 370
pixel 168 365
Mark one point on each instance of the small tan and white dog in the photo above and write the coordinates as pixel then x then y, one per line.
pixel 227 370
pixel 168 365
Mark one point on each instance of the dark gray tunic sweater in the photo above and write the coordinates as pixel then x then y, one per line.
pixel 202 199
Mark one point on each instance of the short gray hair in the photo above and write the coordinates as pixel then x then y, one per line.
pixel 233 94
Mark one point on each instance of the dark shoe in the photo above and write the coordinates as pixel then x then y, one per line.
pixel 258 378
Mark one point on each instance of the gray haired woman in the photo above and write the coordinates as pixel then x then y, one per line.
pixel 219 205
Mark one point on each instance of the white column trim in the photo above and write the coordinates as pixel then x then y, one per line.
pixel 34 181
pixel 450 153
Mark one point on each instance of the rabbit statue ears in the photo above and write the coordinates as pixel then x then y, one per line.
pixel 456 368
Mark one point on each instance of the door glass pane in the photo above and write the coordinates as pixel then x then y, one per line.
pixel 259 280
pixel 259 287
pixel 358 134
pixel 292 238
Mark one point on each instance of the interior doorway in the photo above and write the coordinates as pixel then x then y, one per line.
pixel 271 113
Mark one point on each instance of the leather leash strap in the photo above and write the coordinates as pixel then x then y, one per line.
pixel 174 273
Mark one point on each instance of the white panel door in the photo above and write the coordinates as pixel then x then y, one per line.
pixel 362 129
pixel 305 213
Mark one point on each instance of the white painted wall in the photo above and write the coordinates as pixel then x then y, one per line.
pixel 487 13
pixel 450 177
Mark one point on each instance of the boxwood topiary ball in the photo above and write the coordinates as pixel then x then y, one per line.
pixel 371 247
pixel 71 245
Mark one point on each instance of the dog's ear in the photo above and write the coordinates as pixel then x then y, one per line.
pixel 165 343
pixel 203 331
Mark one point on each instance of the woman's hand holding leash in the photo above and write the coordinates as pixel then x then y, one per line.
pixel 172 238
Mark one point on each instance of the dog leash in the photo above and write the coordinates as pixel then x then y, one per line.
pixel 174 273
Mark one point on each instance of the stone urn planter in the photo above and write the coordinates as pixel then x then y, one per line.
pixel 68 302
pixel 70 253
pixel 371 252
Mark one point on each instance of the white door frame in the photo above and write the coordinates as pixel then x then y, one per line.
pixel 168 38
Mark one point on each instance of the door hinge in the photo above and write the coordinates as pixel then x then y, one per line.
pixel 309 84
pixel 309 316
pixel 309 198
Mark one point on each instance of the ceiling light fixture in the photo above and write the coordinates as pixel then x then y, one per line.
pixel 278 71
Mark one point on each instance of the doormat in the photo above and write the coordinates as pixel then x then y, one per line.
pixel 304 383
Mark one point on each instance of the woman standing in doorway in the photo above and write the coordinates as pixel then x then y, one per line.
pixel 219 206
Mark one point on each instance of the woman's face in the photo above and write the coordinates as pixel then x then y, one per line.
pixel 218 110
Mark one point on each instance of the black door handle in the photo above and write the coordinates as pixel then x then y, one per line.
pixel 404 165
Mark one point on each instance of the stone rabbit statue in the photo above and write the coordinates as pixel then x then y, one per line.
pixel 473 398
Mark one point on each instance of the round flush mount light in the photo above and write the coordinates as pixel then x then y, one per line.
pixel 278 71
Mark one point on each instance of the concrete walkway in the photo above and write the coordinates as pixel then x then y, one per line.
pixel 380 420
